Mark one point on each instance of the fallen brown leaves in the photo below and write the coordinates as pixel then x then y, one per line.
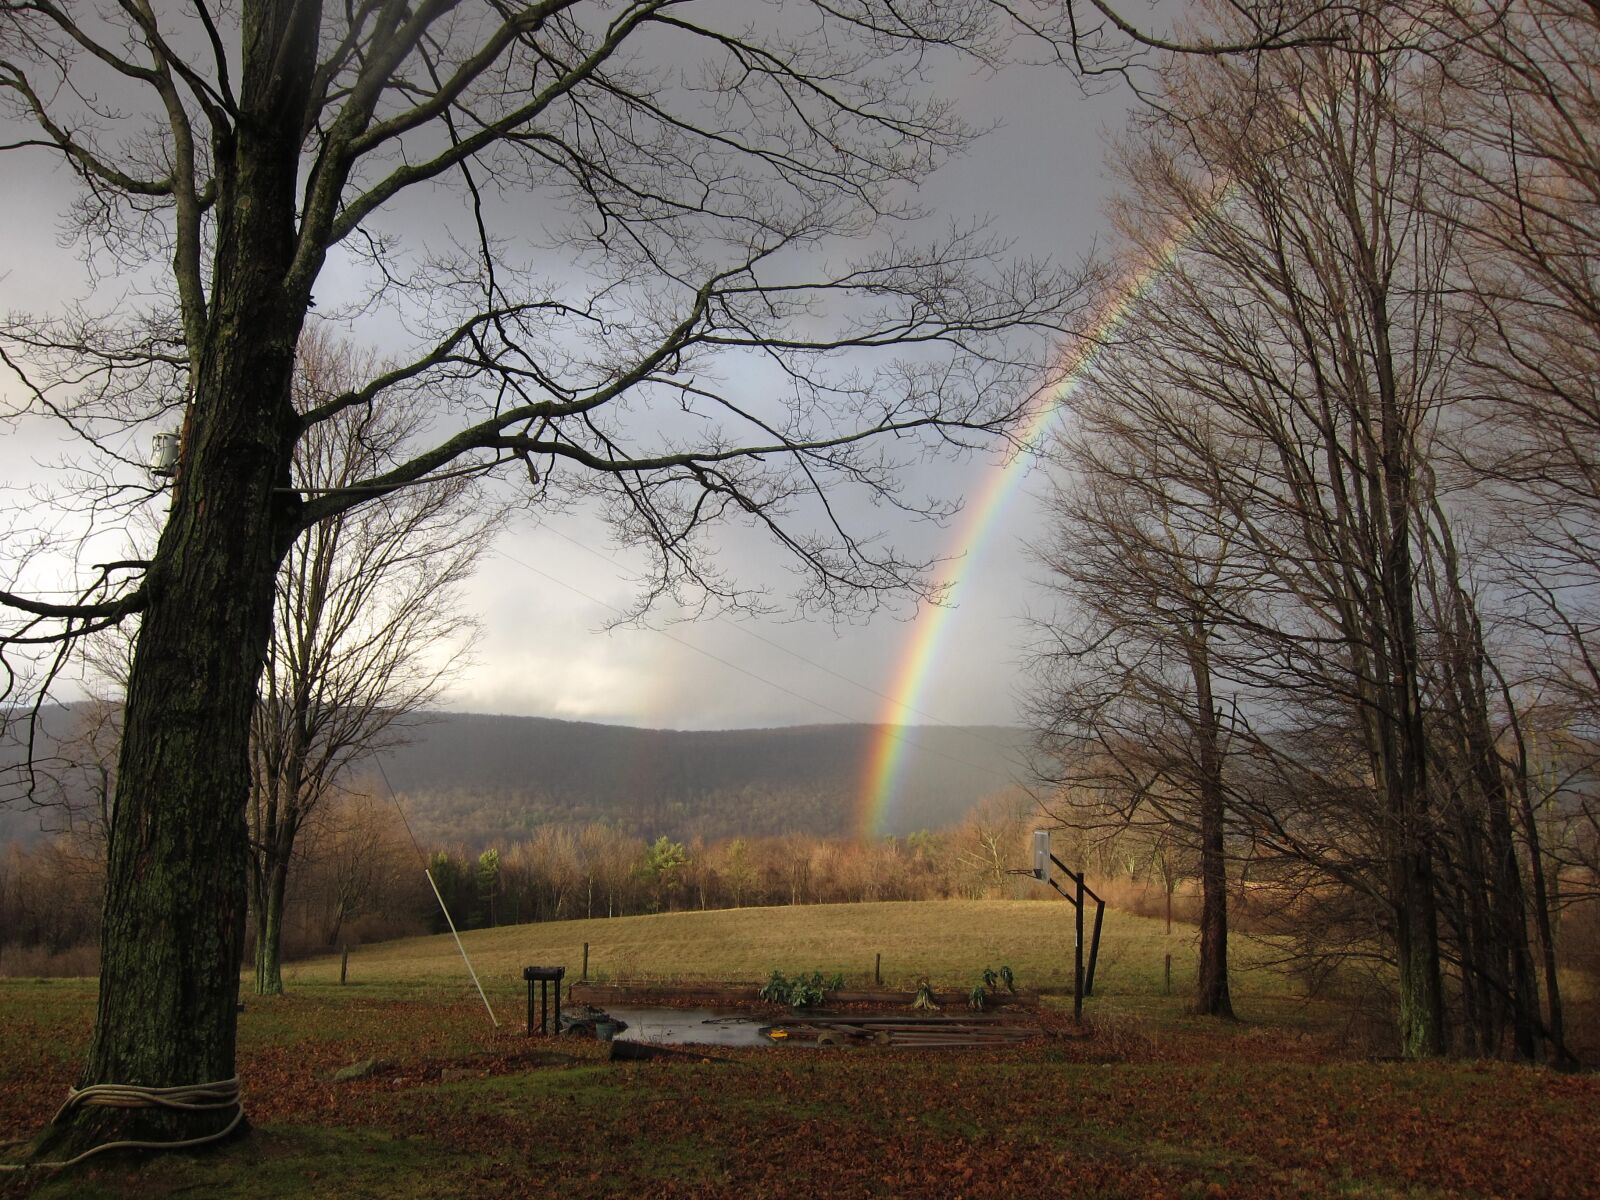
pixel 1221 1113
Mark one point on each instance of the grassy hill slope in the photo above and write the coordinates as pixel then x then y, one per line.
pixel 950 941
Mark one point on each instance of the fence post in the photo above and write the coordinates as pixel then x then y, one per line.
pixel 585 976
pixel 877 970
pixel 1169 975
pixel 344 963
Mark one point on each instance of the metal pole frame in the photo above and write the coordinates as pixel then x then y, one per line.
pixel 1082 979
pixel 1077 953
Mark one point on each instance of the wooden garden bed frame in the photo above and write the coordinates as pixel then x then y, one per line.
pixel 736 995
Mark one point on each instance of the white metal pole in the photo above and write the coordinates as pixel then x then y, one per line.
pixel 429 873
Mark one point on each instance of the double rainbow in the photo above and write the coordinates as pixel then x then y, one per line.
pixel 886 759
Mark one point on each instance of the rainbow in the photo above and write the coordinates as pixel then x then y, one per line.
pixel 886 756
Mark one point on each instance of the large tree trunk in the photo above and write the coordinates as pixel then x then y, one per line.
pixel 1212 997
pixel 1402 769
pixel 1509 897
pixel 1498 964
pixel 1422 1028
pixel 176 878
pixel 1511 918
pixel 1555 1023
pixel 1405 774
pixel 1542 899
pixel 173 931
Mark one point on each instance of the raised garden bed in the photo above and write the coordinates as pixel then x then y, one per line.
pixel 951 1031
pixel 714 995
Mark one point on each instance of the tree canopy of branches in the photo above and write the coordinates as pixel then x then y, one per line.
pixel 655 256
pixel 1126 705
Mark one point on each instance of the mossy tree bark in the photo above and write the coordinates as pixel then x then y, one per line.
pixel 174 918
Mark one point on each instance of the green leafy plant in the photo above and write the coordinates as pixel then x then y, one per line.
pixel 924 1000
pixel 806 993
pixel 800 992
pixel 992 980
pixel 775 990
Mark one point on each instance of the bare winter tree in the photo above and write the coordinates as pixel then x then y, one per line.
pixel 77 778
pixel 1520 158
pixel 360 864
pixel 1127 702
pixel 366 626
pixel 651 255
pixel 1523 142
pixel 1296 364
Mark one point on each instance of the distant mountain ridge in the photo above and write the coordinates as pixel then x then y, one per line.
pixel 479 778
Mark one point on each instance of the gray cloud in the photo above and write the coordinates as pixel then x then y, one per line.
pixel 545 648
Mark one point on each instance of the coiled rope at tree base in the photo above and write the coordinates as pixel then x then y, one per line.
pixel 194 1097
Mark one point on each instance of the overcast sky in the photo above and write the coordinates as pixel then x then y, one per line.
pixel 546 595
pixel 545 651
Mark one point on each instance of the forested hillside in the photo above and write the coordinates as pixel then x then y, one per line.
pixel 493 779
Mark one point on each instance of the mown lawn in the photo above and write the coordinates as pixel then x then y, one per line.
pixel 1148 1104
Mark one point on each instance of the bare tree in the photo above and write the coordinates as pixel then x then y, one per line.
pixel 76 777
pixel 1127 701
pixel 678 279
pixel 990 844
pixel 1520 158
pixel 1523 144
pixel 366 626
pixel 359 865
pixel 1295 363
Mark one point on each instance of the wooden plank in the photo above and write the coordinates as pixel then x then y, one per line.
pixel 645 991
pixel 906 1019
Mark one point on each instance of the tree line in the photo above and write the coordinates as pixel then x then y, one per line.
pixel 564 873
pixel 357 877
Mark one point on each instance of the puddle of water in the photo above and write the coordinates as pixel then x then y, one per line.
pixel 691 1026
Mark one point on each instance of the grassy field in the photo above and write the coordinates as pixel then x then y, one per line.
pixel 949 942
pixel 1145 1102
